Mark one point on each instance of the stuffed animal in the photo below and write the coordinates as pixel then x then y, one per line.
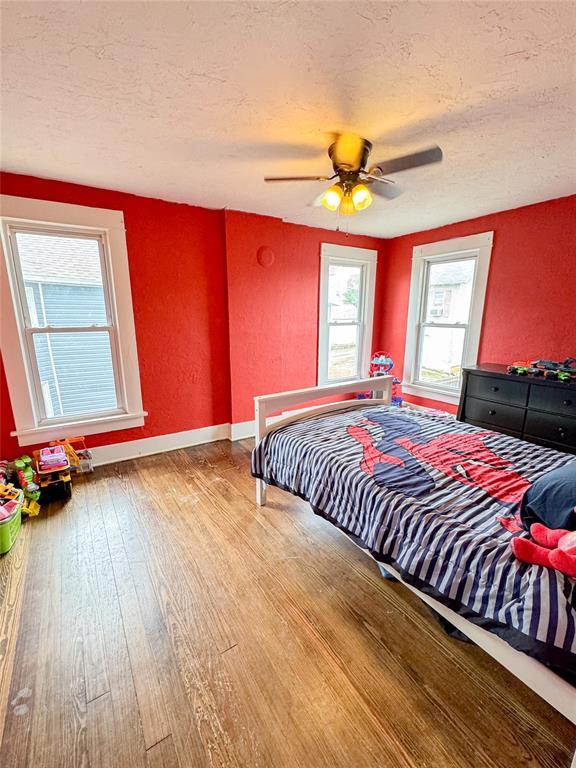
pixel 552 548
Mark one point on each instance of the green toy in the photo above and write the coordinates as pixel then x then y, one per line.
pixel 27 478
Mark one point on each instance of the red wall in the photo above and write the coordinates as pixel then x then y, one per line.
pixel 178 257
pixel 274 309
pixel 178 275
pixel 214 327
pixel 531 294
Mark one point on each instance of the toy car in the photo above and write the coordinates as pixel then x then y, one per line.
pixel 55 483
pixel 52 458
pixel 564 371
pixel 546 365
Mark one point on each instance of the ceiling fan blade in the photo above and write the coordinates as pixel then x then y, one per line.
pixel 389 190
pixel 416 159
pixel 298 178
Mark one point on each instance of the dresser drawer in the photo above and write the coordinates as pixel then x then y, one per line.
pixel 549 426
pixel 494 414
pixel 511 392
pixel 553 399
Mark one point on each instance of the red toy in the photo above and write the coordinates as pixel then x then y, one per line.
pixel 550 548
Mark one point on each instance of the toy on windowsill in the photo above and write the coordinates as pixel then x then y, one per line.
pixel 381 365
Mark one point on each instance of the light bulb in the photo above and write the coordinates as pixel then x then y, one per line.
pixel 332 197
pixel 361 197
pixel 347 205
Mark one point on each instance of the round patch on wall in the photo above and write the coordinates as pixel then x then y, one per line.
pixel 265 256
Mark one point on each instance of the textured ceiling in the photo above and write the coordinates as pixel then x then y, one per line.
pixel 196 102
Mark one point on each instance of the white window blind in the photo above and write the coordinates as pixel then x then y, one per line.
pixel 67 326
pixel 68 322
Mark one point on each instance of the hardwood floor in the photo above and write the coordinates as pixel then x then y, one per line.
pixel 161 619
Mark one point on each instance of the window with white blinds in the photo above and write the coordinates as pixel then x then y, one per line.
pixel 68 321
pixel 67 309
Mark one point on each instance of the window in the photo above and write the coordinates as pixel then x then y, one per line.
pixel 445 315
pixel 77 351
pixel 347 282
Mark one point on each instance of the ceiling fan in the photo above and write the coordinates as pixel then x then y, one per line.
pixel 355 186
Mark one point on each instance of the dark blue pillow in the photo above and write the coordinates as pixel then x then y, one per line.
pixel 551 499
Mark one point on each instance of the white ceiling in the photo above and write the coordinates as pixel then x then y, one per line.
pixel 196 102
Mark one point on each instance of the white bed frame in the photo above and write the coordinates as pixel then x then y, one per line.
pixel 553 689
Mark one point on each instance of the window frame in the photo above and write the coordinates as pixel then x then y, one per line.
pixel 33 425
pixel 345 255
pixel 477 247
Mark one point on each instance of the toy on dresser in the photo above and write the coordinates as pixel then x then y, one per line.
pixel 564 370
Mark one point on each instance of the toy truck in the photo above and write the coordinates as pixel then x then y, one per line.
pixel 54 478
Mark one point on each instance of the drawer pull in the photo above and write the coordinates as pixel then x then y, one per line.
pixel 561 431
pixel 567 402
pixel 494 389
pixel 491 413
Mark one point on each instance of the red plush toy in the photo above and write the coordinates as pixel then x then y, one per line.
pixel 550 548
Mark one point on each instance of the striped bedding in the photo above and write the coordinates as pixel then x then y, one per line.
pixel 425 493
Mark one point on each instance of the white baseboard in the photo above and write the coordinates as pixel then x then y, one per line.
pixel 133 449
pixel 147 446
pixel 242 429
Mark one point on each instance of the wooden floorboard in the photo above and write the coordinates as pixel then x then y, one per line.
pixel 162 619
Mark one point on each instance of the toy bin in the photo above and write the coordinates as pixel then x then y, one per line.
pixel 9 530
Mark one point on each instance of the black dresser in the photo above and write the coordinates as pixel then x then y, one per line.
pixel 531 407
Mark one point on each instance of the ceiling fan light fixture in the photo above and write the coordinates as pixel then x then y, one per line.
pixel 361 197
pixel 347 205
pixel 332 198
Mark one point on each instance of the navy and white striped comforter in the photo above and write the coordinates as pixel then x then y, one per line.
pixel 423 491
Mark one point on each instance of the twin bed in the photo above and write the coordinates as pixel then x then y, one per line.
pixel 424 495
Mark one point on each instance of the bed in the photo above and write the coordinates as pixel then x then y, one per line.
pixel 426 496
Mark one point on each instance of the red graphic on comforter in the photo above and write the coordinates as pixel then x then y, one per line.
pixel 399 461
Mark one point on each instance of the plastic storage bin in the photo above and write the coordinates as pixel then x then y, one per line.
pixel 9 530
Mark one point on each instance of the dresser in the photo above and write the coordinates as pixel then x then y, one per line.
pixel 531 407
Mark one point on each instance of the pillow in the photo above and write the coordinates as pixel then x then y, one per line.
pixel 551 499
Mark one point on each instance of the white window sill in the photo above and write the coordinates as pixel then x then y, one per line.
pixel 431 393
pixel 47 432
